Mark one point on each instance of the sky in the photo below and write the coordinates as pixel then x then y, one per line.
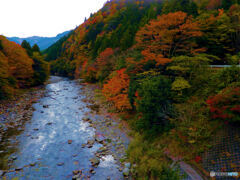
pixel 24 18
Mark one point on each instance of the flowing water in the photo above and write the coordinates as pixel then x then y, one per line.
pixel 44 150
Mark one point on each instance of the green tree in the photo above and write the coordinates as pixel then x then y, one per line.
pixel 154 105
pixel 187 6
pixel 40 67
pixel 27 46
pixel 226 4
pixel 195 70
pixel 35 48
pixel 218 34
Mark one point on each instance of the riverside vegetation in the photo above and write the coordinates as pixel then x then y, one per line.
pixel 152 59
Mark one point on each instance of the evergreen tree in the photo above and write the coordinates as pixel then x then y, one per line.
pixel 35 48
pixel 187 6
pixel 40 68
pixel 27 46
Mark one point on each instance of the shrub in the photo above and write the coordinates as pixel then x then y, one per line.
pixel 150 162
pixel 226 104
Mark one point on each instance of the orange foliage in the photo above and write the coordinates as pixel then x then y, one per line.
pixel 103 60
pixel 19 63
pixel 167 35
pixel 116 90
pixel 160 60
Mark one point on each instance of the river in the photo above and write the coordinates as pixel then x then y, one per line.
pixel 54 142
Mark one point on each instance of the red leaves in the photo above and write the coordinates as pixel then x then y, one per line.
pixel 198 159
pixel 102 60
pixel 226 104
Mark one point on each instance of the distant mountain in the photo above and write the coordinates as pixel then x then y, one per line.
pixel 42 42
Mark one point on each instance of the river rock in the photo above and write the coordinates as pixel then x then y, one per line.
pixel 1 173
pixel 75 172
pixel 83 145
pixel 18 169
pixel 32 164
pixel 90 143
pixel 76 177
pixel 95 161
pixel 126 172
pixel 60 164
pixel 102 149
pixel 69 141
pixel 93 172
pixel 99 138
pixel 14 157
pixel 45 106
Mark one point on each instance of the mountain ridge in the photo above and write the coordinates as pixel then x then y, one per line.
pixel 42 42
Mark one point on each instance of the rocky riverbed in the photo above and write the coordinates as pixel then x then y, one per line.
pixel 66 136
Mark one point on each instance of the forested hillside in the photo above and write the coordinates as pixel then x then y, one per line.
pixel 20 68
pixel 152 60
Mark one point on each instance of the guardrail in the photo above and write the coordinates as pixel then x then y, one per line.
pixel 223 66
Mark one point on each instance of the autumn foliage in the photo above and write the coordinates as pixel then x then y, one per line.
pixel 19 63
pixel 15 68
pixel 116 90
pixel 226 104
pixel 168 36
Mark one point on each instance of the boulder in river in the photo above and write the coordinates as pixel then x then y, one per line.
pixel 95 161
pixel 69 141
